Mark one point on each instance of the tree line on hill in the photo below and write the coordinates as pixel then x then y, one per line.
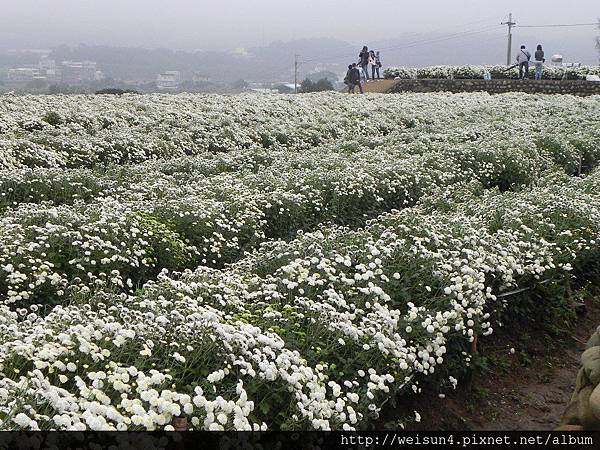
pixel 320 85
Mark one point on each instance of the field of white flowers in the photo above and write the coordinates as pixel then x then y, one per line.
pixel 278 262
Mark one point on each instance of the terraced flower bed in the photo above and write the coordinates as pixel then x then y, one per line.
pixel 497 72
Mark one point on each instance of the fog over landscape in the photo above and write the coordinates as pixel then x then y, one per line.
pixel 133 41
pixel 189 24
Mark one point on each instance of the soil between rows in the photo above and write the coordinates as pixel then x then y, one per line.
pixel 529 391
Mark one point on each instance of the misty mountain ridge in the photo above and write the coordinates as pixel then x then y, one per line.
pixel 275 62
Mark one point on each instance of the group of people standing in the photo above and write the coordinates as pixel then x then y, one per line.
pixel 524 58
pixel 358 73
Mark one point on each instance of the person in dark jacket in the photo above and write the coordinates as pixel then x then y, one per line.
pixel 354 79
pixel 538 61
pixel 364 60
pixel 347 77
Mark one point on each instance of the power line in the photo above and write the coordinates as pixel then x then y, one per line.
pixel 559 25
pixel 490 38
pixel 333 53
pixel 415 43
pixel 441 39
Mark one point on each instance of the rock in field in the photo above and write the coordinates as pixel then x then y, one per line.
pixel 571 415
pixel 595 403
pixel 587 418
pixel 594 340
pixel 581 382
pixel 591 364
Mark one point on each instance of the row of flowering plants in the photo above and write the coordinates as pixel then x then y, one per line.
pixel 478 72
pixel 299 285
pixel 77 229
pixel 94 131
pixel 97 131
pixel 318 332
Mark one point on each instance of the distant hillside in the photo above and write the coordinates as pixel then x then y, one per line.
pixel 144 64
pixel 272 63
pixel 275 62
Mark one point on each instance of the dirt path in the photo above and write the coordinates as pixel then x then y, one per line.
pixel 536 401
pixel 376 87
pixel 525 392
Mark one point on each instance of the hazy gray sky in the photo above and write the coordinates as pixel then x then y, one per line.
pixel 222 24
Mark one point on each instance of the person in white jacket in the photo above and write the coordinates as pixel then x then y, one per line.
pixel 363 75
pixel 523 57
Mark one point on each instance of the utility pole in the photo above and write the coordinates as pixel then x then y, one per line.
pixel 296 66
pixel 598 43
pixel 510 25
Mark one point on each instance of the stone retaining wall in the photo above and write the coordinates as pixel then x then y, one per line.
pixel 583 413
pixel 573 87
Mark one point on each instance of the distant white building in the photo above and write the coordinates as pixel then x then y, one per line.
pixel 168 80
pixel 49 69
pixel 47 64
pixel 200 78
pixel 263 90
pixel 79 71
pixel 24 74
